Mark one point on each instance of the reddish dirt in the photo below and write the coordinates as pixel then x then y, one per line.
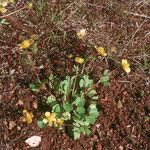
pixel 123 123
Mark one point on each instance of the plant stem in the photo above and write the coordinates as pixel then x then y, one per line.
pixel 74 85
pixel 14 12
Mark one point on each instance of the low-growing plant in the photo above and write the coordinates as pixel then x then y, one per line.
pixel 72 104
pixel 105 79
pixel 35 87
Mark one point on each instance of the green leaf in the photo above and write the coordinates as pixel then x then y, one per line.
pixel 90 119
pixel 65 86
pixel 56 108
pixel 33 87
pixel 88 132
pixel 85 130
pixel 93 110
pixel 94 97
pixel 41 124
pixel 85 82
pixel 106 72
pixel 90 82
pixel 92 106
pixel 68 107
pixel 79 102
pixel 50 99
pixel 76 133
pixel 76 124
pixel 66 115
pixel 104 79
pixel 77 116
pixel 80 110
pixel 106 83
pixel 81 83
pixel 51 77
pixel 83 122
pixel 94 113
pixel 91 93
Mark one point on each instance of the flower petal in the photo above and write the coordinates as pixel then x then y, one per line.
pixel 47 114
pixel 101 51
pixel 79 60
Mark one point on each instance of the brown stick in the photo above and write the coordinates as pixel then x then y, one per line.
pixel 14 12
pixel 138 15
pixel 16 23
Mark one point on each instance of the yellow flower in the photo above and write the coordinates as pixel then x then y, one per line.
pixel 113 49
pixel 28 42
pixel 125 65
pixel 10 1
pixel 27 116
pixel 101 51
pixel 79 60
pixel 59 122
pixel 81 33
pixel 4 4
pixel 25 44
pixel 47 114
pixel 3 10
pixel 30 5
pixel 45 121
pixel 50 118
pixel 70 56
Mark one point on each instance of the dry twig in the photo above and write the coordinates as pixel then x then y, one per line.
pixel 136 14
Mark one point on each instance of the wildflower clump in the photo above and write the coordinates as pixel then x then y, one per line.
pixel 50 119
pixel 81 33
pixel 101 51
pixel 125 65
pixel 79 60
pixel 27 116
pixel 72 105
